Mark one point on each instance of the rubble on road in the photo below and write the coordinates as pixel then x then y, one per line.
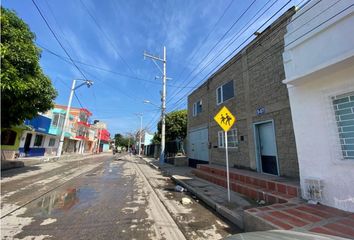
pixel 186 201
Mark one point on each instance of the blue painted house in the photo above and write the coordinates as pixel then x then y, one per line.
pixel 38 141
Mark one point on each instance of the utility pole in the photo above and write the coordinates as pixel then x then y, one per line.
pixel 86 82
pixel 99 139
pixel 61 141
pixel 163 99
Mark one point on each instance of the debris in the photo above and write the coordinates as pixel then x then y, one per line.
pixel 261 202
pixel 186 201
pixel 178 188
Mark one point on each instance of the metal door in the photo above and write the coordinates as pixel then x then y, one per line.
pixel 198 145
pixel 267 148
pixel 26 147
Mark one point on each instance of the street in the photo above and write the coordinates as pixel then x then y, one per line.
pixel 103 197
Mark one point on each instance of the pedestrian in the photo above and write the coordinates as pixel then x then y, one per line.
pixel 228 119
pixel 222 118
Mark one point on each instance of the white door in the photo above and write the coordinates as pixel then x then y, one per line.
pixel 198 144
pixel 267 148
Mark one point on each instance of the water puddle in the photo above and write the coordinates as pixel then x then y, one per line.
pixel 63 201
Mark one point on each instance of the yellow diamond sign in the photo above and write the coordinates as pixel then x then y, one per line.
pixel 225 119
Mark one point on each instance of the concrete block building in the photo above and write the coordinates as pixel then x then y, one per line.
pixel 250 86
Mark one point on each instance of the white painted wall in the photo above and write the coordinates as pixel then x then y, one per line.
pixel 318 66
pixel 45 143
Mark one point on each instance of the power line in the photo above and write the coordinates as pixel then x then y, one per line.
pixel 239 33
pixel 206 37
pixel 207 76
pixel 61 45
pixel 106 36
pixel 57 39
pixel 217 43
pixel 280 48
pixel 222 62
pixel 102 68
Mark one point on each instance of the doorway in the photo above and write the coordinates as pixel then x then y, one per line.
pixel 26 147
pixel 266 149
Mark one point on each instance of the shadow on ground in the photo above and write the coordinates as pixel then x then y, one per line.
pixel 6 173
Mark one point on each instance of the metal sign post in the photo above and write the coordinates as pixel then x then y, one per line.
pixel 227 168
pixel 225 119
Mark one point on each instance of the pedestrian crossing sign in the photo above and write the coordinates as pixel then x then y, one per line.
pixel 225 119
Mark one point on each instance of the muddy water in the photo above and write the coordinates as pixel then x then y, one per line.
pixel 102 204
pixel 110 202
pixel 196 220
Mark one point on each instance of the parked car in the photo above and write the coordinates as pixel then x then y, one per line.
pixel 282 235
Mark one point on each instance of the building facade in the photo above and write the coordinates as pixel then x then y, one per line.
pixel 250 86
pixel 103 136
pixel 38 141
pixel 10 142
pixel 77 132
pixel 319 66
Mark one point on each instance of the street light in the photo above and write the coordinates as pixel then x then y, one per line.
pixel 149 102
pixel 86 82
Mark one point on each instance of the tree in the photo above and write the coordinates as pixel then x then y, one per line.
pixel 123 141
pixel 25 90
pixel 176 126
pixel 118 139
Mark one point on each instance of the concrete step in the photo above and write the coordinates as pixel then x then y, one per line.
pixel 250 190
pixel 270 183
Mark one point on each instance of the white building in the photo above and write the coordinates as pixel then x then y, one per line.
pixel 319 67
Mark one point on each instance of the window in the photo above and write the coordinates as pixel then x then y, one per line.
pixel 197 108
pixel 344 112
pixel 8 137
pixel 51 142
pixel 38 141
pixel 82 131
pixel 83 117
pixel 58 120
pixel 225 92
pixel 232 141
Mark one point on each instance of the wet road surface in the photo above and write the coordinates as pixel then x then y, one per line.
pixel 102 198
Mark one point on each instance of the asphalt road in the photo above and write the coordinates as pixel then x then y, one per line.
pixel 103 197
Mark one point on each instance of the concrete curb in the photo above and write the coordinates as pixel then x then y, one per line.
pixel 150 164
pixel 223 211
pixel 235 218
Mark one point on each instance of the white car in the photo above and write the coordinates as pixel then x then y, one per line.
pixel 282 235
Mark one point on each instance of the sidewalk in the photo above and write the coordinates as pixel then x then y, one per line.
pixel 248 215
pixel 30 161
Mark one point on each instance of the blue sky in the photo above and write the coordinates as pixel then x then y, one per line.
pixel 107 40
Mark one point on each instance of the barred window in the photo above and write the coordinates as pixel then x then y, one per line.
pixel 344 113
pixel 231 138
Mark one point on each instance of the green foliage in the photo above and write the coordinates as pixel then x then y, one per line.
pixel 156 139
pixel 123 141
pixel 25 90
pixel 176 126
